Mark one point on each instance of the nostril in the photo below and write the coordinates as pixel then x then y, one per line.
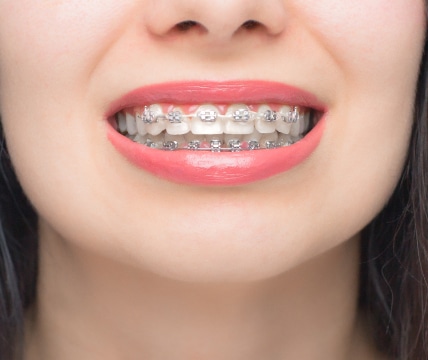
pixel 186 25
pixel 216 21
pixel 250 25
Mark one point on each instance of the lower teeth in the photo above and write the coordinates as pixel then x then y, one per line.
pixel 214 145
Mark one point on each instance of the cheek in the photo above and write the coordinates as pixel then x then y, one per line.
pixel 48 53
pixel 44 37
pixel 376 46
pixel 366 35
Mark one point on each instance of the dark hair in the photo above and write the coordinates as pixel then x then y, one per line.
pixel 394 266
pixel 18 258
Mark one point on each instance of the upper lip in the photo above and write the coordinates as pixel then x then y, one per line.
pixel 198 92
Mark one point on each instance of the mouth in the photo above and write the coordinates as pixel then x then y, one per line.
pixel 216 128
pixel 204 133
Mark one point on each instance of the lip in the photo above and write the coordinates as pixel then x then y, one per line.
pixel 216 169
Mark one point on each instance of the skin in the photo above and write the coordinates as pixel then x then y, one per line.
pixel 136 267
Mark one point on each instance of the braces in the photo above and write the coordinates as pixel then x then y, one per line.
pixel 216 145
pixel 207 115
pixel 241 115
pixel 152 114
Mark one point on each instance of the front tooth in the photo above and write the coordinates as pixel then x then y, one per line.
pixel 156 128
pixel 239 120
pixel 239 113
pixel 262 125
pixel 131 125
pixel 121 122
pixel 180 127
pixel 159 124
pixel 203 123
pixel 282 124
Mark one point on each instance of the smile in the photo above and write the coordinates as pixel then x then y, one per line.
pixel 216 133
pixel 235 127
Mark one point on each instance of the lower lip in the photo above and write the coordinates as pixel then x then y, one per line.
pixel 221 169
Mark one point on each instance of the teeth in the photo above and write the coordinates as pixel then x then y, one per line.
pixel 217 143
pixel 190 137
pixel 177 124
pixel 141 139
pixel 180 139
pixel 150 119
pixel 284 140
pixel 141 126
pixel 210 138
pixel 269 140
pixel 262 124
pixel 155 141
pixel 294 115
pixel 148 114
pixel 232 138
pixel 239 113
pixel 207 115
pixel 255 136
pixel 175 116
pixel 282 125
pixel 301 126
pixel 158 122
pixel 156 128
pixel 240 128
pixel 297 127
pixel 131 125
pixel 239 120
pixel 121 121
pixel 269 115
pixel 306 122
pixel 199 126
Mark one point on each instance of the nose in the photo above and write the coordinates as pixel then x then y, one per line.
pixel 217 20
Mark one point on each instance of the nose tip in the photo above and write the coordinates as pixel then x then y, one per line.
pixel 219 20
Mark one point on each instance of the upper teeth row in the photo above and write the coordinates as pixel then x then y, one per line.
pixel 238 119
pixel 151 114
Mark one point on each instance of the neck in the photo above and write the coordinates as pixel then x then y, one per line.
pixel 90 307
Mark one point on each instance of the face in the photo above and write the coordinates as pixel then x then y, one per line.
pixel 67 66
